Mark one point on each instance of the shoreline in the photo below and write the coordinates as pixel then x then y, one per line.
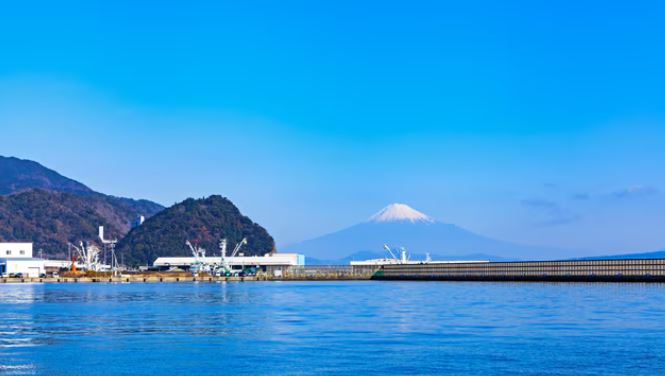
pixel 169 280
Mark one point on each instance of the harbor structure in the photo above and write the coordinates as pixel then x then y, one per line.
pixel 621 270
pixel 17 259
pixel 642 270
pixel 271 262
pixel 402 257
pixel 55 266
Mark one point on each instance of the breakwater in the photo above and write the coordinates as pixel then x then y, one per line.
pixel 123 279
pixel 652 270
pixel 327 272
pixel 298 273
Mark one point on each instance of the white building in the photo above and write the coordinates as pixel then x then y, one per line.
pixel 57 265
pixel 269 260
pixel 138 221
pixel 13 250
pixel 16 258
pixel 389 261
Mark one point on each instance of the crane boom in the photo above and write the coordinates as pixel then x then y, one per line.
pixel 390 251
pixel 238 246
pixel 191 247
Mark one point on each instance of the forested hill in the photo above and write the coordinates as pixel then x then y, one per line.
pixel 202 221
pixel 41 206
pixel 52 219
pixel 17 175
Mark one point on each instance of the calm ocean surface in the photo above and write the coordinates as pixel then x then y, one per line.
pixel 353 328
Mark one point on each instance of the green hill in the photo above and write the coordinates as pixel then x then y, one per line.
pixel 39 205
pixel 52 219
pixel 17 175
pixel 203 221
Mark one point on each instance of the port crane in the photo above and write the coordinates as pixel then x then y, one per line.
pixel 88 254
pixel 199 254
pixel 403 255
pixel 225 264
pixel 111 244
pixel 201 264
pixel 197 251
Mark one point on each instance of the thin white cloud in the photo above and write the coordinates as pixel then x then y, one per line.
pixel 635 191
pixel 550 213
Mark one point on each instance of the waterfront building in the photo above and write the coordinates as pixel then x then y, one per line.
pixel 16 259
pixel 268 262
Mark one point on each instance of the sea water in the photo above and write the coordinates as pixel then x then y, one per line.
pixel 318 328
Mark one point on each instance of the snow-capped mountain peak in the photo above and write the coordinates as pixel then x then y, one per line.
pixel 399 212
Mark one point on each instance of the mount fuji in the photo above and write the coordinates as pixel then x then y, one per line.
pixel 399 225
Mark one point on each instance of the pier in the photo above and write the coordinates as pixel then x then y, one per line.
pixel 647 270
pixel 130 279
pixel 642 270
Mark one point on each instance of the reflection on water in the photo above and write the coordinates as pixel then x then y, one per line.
pixel 17 328
pixel 332 328
pixel 21 293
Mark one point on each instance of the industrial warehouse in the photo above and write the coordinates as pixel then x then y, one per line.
pixel 270 262
pixel 16 260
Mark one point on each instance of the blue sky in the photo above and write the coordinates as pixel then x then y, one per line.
pixel 535 122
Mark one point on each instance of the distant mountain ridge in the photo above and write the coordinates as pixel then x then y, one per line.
pixel 17 175
pixel 367 255
pixel 401 226
pixel 37 204
pixel 52 219
pixel 627 256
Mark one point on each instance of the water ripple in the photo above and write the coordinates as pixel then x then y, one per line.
pixel 332 328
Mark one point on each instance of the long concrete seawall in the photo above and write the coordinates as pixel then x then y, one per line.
pixel 125 279
pixel 563 271
pixel 183 280
pixel 300 273
pixel 652 270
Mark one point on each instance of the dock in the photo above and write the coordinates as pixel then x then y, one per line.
pixel 125 279
pixel 634 270
pixel 297 273
pixel 643 270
